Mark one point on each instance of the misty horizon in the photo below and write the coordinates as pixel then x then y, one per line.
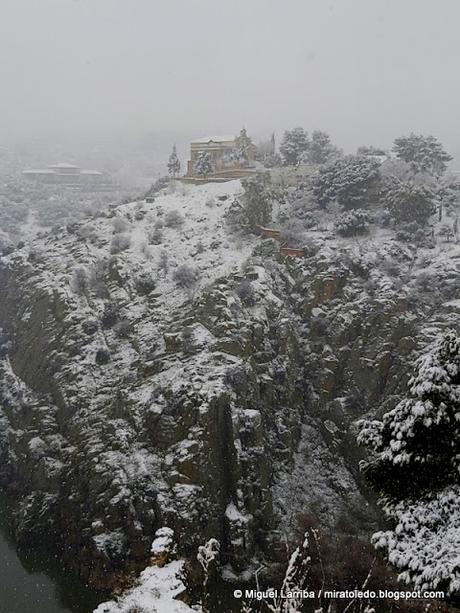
pixel 365 72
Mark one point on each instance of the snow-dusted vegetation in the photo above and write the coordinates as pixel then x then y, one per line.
pixel 200 362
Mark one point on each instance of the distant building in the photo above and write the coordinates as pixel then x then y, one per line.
pixel 229 156
pixel 66 174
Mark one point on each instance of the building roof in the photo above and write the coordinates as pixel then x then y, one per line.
pixel 213 139
pixel 62 165
pixel 37 171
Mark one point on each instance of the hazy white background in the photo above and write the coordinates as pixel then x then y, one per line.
pixel 364 70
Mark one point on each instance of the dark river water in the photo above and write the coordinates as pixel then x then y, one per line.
pixel 34 582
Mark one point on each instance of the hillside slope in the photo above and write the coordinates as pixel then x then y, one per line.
pixel 217 398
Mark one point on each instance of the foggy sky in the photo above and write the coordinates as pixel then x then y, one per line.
pixel 364 70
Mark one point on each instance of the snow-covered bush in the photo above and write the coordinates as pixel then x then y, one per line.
pixel 120 242
pixel 155 237
pixel 102 356
pixel 446 232
pixel 426 282
pixel 245 292
pixel 110 314
pixel 353 223
pixel 185 276
pixel 410 232
pixel 80 281
pixel 123 328
pixel 159 184
pixel 200 248
pixel 174 219
pixel 119 225
pixel 407 202
pixel 352 181
pixel 415 462
pixel 145 283
pixel 163 263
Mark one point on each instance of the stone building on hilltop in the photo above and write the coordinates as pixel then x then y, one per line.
pixel 221 157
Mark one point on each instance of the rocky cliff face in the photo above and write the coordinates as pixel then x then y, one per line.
pixel 221 406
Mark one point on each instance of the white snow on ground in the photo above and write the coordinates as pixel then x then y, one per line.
pixel 157 587
pixel 154 593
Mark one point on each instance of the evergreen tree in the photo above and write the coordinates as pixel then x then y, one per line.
pixel 244 147
pixel 320 148
pixel 173 163
pixel 415 461
pixel 203 165
pixel 294 144
pixel 407 202
pixel 257 202
pixel 423 153
pixel 352 181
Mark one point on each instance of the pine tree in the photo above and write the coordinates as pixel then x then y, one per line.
pixel 203 165
pixel 257 202
pixel 352 181
pixel 244 147
pixel 320 149
pixel 407 202
pixel 295 143
pixel 423 153
pixel 173 163
pixel 415 461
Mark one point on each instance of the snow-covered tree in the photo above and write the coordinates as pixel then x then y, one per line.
pixel 245 148
pixel 209 558
pixel 173 163
pixel 295 143
pixel 407 202
pixel 370 150
pixel 320 149
pixel 294 580
pixel 424 153
pixel 257 201
pixel 352 223
pixel 203 165
pixel 415 461
pixel 352 181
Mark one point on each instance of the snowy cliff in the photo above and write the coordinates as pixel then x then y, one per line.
pixel 161 368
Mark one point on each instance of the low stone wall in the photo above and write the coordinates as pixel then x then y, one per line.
pixel 221 177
